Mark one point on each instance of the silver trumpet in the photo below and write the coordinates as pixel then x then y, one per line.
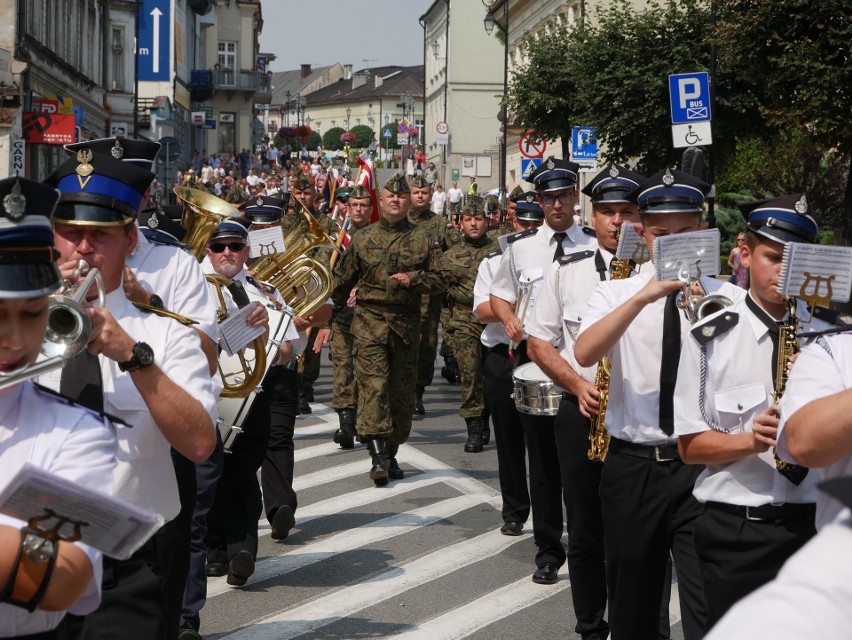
pixel 69 327
pixel 693 299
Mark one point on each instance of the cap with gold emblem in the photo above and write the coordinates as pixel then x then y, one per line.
pixel 142 153
pixel 27 256
pixel 785 218
pixel 98 190
pixel 398 185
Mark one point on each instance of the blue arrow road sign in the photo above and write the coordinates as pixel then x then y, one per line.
pixel 155 23
pixel 528 165
pixel 689 94
pixel 584 143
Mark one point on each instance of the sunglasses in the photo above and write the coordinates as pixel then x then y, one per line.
pixel 233 246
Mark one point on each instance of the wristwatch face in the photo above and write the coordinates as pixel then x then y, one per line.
pixel 144 354
pixel 37 549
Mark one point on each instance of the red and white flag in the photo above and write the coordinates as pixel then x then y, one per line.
pixel 367 178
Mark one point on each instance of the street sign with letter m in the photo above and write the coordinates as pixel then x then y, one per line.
pixel 689 95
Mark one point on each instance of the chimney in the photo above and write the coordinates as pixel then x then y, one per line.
pixel 359 79
pixel 379 82
pixel 347 72
pixel 306 70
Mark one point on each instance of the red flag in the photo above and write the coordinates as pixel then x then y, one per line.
pixel 366 178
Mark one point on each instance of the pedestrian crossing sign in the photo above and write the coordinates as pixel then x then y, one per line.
pixel 528 165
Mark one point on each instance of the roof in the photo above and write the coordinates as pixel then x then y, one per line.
pixel 292 81
pixel 396 81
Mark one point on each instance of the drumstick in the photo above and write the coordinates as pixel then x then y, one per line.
pixel 525 300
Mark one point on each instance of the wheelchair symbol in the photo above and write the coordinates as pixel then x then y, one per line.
pixel 692 137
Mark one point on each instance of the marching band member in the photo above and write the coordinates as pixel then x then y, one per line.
pixel 39 584
pixel 646 490
pixel 458 272
pixel 154 376
pixel 553 326
pixel 344 391
pixel 754 517
pixel 497 370
pixel 522 270
pixel 393 263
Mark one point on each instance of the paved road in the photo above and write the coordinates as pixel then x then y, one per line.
pixel 419 559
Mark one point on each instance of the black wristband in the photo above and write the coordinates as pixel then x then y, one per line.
pixel 21 590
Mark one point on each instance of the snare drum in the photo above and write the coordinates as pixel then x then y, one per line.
pixel 534 393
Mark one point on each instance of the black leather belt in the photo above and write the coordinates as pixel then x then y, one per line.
pixel 660 452
pixel 766 512
pixel 570 397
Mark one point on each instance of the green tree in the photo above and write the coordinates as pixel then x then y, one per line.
pixel 364 136
pixel 331 139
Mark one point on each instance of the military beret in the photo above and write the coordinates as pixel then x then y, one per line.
pixel 515 194
pixel 473 207
pixel 670 192
pixel 612 184
pixel 397 184
pixel 785 218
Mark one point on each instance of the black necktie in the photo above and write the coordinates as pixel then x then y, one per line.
pixel 81 381
pixel 793 472
pixel 559 237
pixel 669 362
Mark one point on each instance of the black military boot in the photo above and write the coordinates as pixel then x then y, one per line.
pixel 345 435
pixel 419 409
pixel 486 430
pixel 394 472
pixel 379 452
pixel 450 370
pixel 304 407
pixel 474 435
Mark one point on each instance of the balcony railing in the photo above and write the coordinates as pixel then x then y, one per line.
pixel 254 82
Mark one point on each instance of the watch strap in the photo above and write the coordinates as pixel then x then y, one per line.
pixel 28 579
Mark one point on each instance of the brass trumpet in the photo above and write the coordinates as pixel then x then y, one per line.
pixel 693 299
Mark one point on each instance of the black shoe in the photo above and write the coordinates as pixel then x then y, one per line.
pixel 512 528
pixel 304 407
pixel 486 431
pixel 394 471
pixel 449 374
pixel 419 409
pixel 282 522
pixel 188 633
pixel 474 435
pixel 309 394
pixel 216 569
pixel 378 451
pixel 546 574
pixel 240 567
pixel 345 435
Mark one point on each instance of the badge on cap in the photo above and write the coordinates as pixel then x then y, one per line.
pixel 259 202
pixel 550 164
pixel 668 178
pixel 530 197
pixel 153 222
pixel 117 150
pixel 15 203
pixel 801 205
pixel 84 170
pixel 613 171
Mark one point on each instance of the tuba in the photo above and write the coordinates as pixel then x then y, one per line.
pixel 202 213
pixel 693 300
pixel 304 282
pixel 69 327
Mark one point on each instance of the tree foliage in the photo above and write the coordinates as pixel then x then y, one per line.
pixel 363 136
pixel 331 139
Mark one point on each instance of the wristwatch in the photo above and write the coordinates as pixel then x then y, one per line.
pixel 156 301
pixel 143 356
pixel 36 547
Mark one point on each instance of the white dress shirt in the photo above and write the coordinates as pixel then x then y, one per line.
pixel 738 387
pixel 527 259
pixel 175 275
pixel 144 474
pixel 817 374
pixel 493 334
pixel 633 413
pixel 561 304
pixel 66 440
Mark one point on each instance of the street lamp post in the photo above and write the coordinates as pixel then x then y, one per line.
pixel 490 22
pixel 285 117
pixel 348 113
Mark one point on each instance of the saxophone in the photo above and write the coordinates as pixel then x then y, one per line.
pixel 788 345
pixel 598 435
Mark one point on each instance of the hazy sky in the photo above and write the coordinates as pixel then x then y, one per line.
pixel 385 32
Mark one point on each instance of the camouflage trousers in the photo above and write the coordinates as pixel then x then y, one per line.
pixel 342 357
pixel 446 334
pixel 385 370
pixel 309 366
pixel 465 333
pixel 430 312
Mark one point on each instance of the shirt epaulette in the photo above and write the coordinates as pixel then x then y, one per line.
pixel 157 237
pixel 715 327
pixel 837 318
pixel 73 403
pixel 165 313
pixel 589 231
pixel 520 235
pixel 574 257
pixel 494 254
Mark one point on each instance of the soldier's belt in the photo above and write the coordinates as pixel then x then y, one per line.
pixel 383 307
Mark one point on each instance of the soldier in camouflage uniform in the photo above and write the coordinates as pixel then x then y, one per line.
pixel 344 393
pixel 461 263
pixel 303 191
pixel 393 264
pixel 430 308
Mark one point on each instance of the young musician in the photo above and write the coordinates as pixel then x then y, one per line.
pixel 754 516
pixel 646 489
pixel 40 579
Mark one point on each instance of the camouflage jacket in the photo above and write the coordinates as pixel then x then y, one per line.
pixel 461 263
pixel 433 224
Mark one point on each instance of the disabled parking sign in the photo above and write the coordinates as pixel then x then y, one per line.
pixel 689 94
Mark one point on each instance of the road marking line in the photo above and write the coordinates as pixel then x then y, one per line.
pixel 349 600
pixel 473 616
pixel 348 540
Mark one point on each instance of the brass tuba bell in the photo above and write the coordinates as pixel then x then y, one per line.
pixel 202 213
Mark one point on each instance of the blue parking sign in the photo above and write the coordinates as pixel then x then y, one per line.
pixel 584 143
pixel 689 94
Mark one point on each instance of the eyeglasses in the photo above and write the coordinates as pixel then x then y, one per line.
pixel 565 198
pixel 219 247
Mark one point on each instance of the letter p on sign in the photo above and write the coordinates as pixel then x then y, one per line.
pixel 688 89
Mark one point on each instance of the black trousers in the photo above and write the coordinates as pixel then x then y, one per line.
pixel 648 512
pixel 581 480
pixel 278 462
pixel 508 436
pixel 738 555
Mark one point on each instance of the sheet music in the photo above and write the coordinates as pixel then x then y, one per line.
pixel 684 249
pixel 235 334
pixel 266 241
pixel 817 271
pixel 115 527
pixel 631 246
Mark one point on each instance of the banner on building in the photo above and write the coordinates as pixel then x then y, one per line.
pixel 48 128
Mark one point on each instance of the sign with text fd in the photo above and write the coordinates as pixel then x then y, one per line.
pixel 689 95
pixel 155 20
